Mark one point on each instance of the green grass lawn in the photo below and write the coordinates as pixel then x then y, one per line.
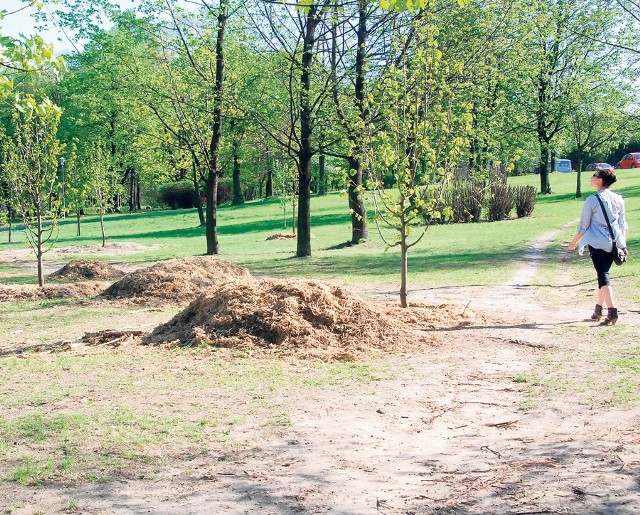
pixel 462 254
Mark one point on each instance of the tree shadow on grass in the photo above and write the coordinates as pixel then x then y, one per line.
pixel 364 265
pixel 224 229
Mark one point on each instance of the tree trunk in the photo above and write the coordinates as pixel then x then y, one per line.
pixel 238 198
pixel 304 208
pixel 475 159
pixel 542 129
pixel 293 215
pixel 78 221
pixel 216 135
pixel 39 252
pixel 545 187
pixel 284 214
pixel 268 192
pixel 211 195
pixel 579 178
pixel 104 238
pixel 403 269
pixel 322 176
pixel 305 152
pixel 10 213
pixel 359 228
pixel 198 199
pixel 132 189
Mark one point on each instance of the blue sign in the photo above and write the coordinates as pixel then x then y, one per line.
pixel 563 165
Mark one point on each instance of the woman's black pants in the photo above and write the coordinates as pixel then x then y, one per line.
pixel 602 261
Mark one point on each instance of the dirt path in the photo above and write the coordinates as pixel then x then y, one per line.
pixel 452 433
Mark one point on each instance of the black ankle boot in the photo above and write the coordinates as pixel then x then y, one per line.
pixel 597 313
pixel 612 317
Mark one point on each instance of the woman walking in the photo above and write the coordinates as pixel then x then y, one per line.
pixel 594 233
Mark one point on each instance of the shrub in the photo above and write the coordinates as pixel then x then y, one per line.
pixel 501 201
pixel 525 200
pixel 466 199
pixel 177 195
pixel 225 192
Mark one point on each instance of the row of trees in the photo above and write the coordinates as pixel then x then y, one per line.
pixel 399 93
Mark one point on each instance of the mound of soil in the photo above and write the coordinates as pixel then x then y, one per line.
pixel 84 269
pixel 15 292
pixel 300 317
pixel 176 280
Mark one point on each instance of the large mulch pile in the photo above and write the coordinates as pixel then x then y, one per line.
pixel 176 280
pixel 298 317
pixel 85 269
pixel 17 292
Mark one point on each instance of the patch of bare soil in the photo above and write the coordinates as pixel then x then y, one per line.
pixel 12 293
pixel 290 317
pixel 176 280
pixel 110 249
pixel 84 269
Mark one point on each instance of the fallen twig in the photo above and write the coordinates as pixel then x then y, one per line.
pixel 110 337
pixel 491 450
pixel 503 424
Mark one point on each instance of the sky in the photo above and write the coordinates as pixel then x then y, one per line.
pixel 23 23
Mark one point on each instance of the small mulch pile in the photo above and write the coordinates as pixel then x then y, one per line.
pixel 15 292
pixel 281 236
pixel 428 317
pixel 85 269
pixel 304 318
pixel 176 280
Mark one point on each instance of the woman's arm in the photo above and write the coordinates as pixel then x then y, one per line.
pixel 575 240
pixel 585 222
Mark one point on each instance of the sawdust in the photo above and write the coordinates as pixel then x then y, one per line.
pixel 15 292
pixel 84 269
pixel 304 318
pixel 176 280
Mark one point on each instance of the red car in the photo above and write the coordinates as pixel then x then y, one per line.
pixel 631 160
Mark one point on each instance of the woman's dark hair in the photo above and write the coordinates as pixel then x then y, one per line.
pixel 607 175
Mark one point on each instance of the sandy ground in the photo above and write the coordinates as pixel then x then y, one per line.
pixel 454 434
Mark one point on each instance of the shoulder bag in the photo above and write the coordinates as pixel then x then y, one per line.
pixel 619 256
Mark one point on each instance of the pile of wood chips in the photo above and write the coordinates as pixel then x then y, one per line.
pixel 17 292
pixel 428 317
pixel 305 318
pixel 176 281
pixel 85 269
pixel 281 236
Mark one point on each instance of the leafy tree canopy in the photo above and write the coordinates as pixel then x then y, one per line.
pixel 392 5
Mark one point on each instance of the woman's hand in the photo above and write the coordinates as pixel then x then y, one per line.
pixel 574 241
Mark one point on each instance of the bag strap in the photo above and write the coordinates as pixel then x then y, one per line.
pixel 606 217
